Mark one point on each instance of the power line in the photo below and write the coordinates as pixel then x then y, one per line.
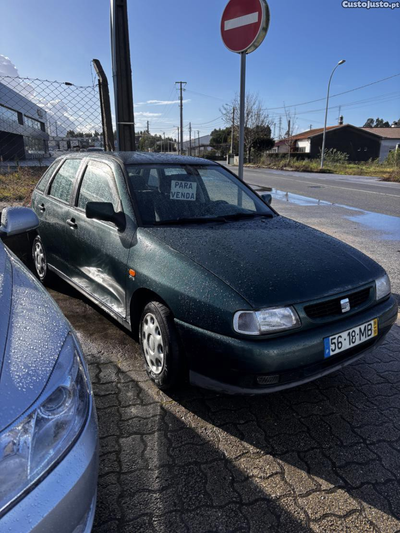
pixel 209 122
pixel 206 95
pixel 338 94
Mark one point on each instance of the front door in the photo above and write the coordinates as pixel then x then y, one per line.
pixel 98 257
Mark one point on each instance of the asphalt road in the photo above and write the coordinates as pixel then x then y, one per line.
pixel 370 194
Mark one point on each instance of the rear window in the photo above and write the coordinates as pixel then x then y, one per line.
pixel 44 180
pixel 63 181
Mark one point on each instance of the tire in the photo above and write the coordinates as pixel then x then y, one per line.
pixel 39 261
pixel 160 347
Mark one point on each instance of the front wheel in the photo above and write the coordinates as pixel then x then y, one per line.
pixel 159 344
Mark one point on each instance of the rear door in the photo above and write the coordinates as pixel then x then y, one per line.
pixel 53 210
pixel 98 254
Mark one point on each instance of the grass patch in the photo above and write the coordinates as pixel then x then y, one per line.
pixel 383 170
pixel 16 186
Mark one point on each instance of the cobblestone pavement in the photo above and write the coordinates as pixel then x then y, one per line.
pixel 324 457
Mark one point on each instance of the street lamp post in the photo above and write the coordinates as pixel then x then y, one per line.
pixel 326 112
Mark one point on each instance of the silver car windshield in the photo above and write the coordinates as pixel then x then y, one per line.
pixel 191 193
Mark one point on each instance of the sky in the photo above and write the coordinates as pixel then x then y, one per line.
pixel 180 40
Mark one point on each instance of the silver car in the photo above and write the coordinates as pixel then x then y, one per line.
pixel 48 424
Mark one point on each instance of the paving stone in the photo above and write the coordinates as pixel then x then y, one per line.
pixel 336 502
pixel 322 457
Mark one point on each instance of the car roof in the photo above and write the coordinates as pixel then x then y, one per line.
pixel 144 158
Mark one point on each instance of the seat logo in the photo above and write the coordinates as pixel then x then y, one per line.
pixel 345 305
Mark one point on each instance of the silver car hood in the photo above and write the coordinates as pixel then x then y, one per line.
pixel 32 332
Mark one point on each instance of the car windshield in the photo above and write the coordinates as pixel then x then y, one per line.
pixel 184 194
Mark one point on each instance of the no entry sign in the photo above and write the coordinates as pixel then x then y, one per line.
pixel 244 24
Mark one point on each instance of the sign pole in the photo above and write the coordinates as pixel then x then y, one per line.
pixel 244 25
pixel 242 112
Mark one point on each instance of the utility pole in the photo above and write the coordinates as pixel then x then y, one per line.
pixel 280 128
pixel 148 127
pixel 289 135
pixel 178 144
pixel 181 89
pixel 198 140
pixel 233 128
pixel 164 142
pixel 190 138
pixel 122 76
pixel 274 129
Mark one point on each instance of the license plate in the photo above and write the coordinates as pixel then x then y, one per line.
pixel 350 338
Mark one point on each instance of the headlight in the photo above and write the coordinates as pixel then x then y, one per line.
pixel 33 445
pixel 265 321
pixel 382 287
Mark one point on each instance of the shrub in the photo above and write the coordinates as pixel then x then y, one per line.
pixel 335 157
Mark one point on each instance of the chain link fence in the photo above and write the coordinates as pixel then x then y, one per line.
pixel 41 119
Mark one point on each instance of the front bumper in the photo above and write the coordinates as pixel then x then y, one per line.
pixel 241 365
pixel 65 500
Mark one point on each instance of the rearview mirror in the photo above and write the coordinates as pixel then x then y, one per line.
pixel 105 211
pixel 267 198
pixel 16 220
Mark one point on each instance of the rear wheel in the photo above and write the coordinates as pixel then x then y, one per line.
pixel 39 261
pixel 159 344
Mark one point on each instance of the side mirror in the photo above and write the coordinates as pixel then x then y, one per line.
pixel 267 198
pixel 16 220
pixel 105 211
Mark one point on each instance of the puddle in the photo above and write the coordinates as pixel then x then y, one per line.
pixel 388 226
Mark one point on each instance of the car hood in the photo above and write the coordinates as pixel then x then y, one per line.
pixel 272 261
pixel 32 332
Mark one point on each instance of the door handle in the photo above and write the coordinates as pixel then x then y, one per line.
pixel 42 208
pixel 71 223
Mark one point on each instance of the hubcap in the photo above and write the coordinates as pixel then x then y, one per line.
pixel 153 344
pixel 39 259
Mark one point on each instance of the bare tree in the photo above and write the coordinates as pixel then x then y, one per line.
pixel 256 119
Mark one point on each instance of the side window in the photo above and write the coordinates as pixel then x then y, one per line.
pixel 97 185
pixel 63 181
pixel 44 180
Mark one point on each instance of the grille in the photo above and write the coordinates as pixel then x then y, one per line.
pixel 268 380
pixel 333 307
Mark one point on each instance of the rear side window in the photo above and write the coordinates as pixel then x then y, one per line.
pixel 44 180
pixel 63 181
pixel 97 185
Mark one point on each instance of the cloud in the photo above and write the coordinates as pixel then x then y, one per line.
pixel 146 114
pixel 161 102
pixel 7 67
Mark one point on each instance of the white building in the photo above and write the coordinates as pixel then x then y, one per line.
pixel 390 139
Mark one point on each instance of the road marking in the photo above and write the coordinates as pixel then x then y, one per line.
pixel 241 21
pixel 337 187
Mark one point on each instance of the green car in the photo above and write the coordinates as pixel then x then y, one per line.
pixel 217 286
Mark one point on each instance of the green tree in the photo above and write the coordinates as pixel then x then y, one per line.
pixel 220 140
pixel 262 140
pixel 378 123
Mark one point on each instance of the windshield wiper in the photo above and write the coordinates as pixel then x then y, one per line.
pixel 183 220
pixel 238 216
